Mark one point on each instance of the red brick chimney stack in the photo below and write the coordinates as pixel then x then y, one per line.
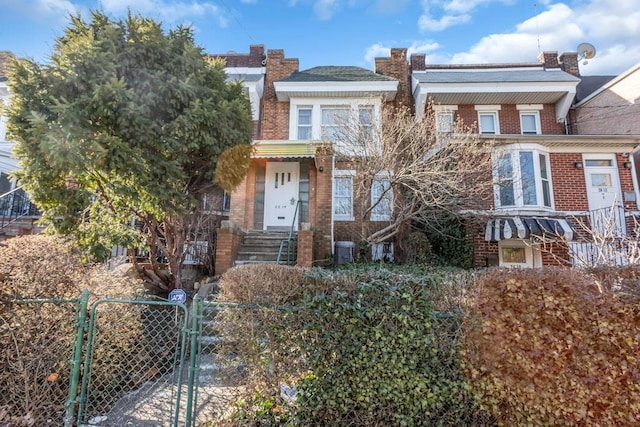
pixel 569 63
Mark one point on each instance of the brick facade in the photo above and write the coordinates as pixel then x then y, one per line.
pixel 315 244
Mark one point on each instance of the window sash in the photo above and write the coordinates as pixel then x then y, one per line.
pixel 488 123
pixel 521 178
pixel 343 197
pixel 304 124
pixel 381 199
pixel 529 123
pixel 334 123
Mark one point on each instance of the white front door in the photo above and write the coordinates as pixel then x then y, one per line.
pixel 280 195
pixel 603 193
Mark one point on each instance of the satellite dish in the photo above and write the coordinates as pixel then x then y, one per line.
pixel 586 51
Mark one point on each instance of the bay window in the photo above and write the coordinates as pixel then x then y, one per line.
pixel 523 179
pixel 304 123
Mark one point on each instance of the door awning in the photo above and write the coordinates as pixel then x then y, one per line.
pixel 516 227
pixel 265 149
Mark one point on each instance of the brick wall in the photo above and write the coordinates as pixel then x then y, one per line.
pixel 254 58
pixel 323 190
pixel 228 242
pixel 275 115
pixel 569 186
pixel 305 248
pixel 509 118
pixel 397 66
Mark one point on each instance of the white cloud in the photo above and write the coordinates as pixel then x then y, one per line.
pixel 324 9
pixel 438 15
pixel 610 25
pixel 427 23
pixel 167 11
pixel 381 50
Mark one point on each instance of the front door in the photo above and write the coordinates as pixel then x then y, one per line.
pixel 280 195
pixel 603 192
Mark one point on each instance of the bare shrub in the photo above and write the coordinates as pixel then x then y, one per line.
pixel 553 347
pixel 40 280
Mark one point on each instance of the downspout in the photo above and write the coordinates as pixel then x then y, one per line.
pixel 333 169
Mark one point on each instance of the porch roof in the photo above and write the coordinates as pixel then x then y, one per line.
pixel 516 227
pixel 275 149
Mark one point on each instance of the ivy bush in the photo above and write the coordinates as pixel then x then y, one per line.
pixel 362 346
pixel 554 347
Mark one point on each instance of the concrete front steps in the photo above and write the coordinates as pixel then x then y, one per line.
pixel 261 247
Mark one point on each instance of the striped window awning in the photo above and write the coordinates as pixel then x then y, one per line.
pixel 265 149
pixel 526 227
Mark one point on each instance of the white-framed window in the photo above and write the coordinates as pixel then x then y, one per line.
pixel 488 122
pixel 381 199
pixel 523 179
pixel 334 123
pixel 343 195
pixel 530 122
pixel 530 118
pixel 304 123
pixel 516 253
pixel 333 119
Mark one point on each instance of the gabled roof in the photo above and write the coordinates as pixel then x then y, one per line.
pixel 333 73
pixel 336 81
pixel 609 84
pixel 590 84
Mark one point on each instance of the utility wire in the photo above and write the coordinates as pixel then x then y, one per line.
pixel 235 18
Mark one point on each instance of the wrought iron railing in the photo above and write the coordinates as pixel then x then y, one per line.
pixel 290 242
pixel 14 205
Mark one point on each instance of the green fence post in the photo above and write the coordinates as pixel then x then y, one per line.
pixel 193 356
pixel 81 326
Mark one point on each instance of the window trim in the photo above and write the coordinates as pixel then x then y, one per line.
pixel 536 116
pixel 341 174
pixel 317 104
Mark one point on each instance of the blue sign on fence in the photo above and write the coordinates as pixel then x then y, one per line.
pixel 178 295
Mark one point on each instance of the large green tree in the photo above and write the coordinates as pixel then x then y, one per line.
pixel 124 126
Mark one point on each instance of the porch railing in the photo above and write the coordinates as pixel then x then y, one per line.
pixel 14 205
pixel 290 241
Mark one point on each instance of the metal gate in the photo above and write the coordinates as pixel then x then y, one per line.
pixel 135 363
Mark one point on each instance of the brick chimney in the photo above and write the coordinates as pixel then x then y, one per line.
pixel 569 63
pixel 549 59
pixel 397 67
pixel 275 117
pixel 418 62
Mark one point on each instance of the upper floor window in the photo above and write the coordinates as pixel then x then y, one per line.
pixel 488 123
pixel 338 121
pixel 523 179
pixel 304 123
pixel 343 195
pixel 334 123
pixel 530 118
pixel 444 122
pixel 381 199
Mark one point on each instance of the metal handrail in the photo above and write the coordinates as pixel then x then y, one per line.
pixel 15 204
pixel 289 240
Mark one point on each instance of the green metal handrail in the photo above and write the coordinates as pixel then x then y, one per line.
pixel 289 241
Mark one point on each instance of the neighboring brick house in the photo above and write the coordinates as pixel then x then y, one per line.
pixel 546 178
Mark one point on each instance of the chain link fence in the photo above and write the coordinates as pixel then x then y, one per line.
pixel 36 348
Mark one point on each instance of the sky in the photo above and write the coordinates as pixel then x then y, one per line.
pixel 354 32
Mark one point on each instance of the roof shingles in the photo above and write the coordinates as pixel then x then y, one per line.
pixel 335 73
